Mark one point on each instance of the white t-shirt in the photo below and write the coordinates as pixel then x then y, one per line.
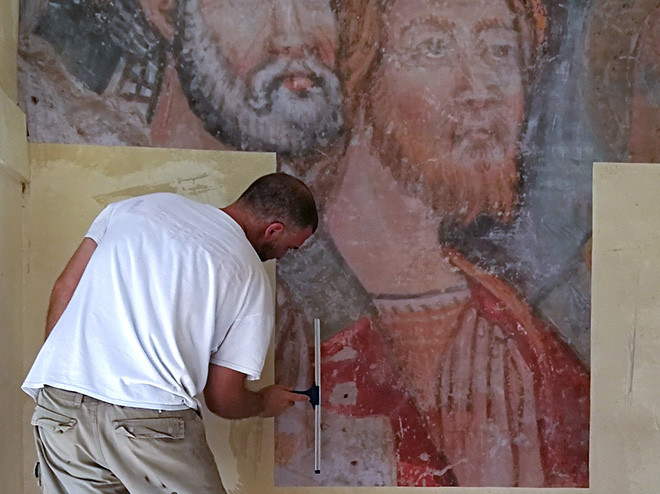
pixel 172 285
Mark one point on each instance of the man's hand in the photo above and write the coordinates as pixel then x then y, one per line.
pixel 278 398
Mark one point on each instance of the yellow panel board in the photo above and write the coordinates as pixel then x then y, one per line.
pixel 13 175
pixel 11 330
pixel 625 335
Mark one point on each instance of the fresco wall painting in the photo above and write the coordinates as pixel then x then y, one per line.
pixel 449 144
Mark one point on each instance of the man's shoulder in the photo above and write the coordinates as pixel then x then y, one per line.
pixel 243 263
pixel 168 202
pixel 199 226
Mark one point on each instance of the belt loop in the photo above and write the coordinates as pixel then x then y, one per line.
pixel 79 399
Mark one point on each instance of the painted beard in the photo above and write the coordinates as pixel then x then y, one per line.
pixel 479 176
pixel 258 114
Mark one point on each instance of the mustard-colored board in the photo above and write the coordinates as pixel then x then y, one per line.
pixel 13 168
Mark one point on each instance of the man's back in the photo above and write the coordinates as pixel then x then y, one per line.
pixel 168 280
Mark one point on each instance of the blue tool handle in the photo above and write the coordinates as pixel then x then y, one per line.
pixel 312 393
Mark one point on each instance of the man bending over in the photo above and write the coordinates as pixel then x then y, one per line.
pixel 163 299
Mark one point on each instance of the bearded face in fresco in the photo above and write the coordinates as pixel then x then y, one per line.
pixel 447 103
pixel 260 73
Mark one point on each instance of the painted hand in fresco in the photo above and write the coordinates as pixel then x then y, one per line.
pixel 486 394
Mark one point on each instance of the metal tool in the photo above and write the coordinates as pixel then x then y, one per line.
pixel 314 394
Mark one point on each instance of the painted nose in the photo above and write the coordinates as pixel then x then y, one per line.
pixel 476 85
pixel 289 36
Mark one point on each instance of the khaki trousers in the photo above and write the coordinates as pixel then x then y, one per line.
pixel 89 446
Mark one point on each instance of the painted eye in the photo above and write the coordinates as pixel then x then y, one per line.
pixel 432 48
pixel 501 51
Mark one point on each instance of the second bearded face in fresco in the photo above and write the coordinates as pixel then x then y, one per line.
pixel 449 93
pixel 260 73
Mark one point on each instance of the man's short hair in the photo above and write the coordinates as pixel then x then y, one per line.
pixel 284 198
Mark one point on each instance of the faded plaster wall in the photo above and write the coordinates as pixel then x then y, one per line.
pixel 13 177
pixel 70 185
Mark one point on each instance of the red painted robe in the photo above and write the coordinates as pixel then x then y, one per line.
pixel 478 392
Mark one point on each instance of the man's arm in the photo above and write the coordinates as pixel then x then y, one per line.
pixel 226 395
pixel 67 282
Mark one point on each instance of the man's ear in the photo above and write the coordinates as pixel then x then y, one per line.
pixel 161 14
pixel 274 230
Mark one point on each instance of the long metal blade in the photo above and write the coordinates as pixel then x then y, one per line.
pixel 317 409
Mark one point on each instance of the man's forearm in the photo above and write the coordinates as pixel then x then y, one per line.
pixel 245 404
pixel 226 395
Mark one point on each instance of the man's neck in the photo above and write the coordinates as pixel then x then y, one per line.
pixel 240 216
